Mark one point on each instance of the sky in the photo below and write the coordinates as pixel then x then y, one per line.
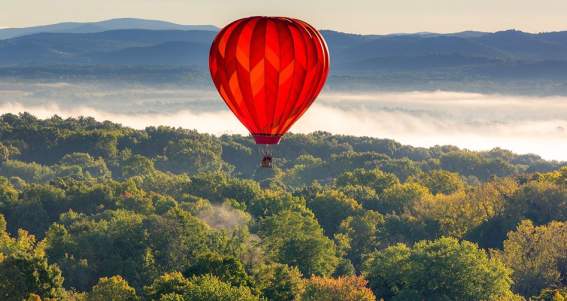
pixel 357 16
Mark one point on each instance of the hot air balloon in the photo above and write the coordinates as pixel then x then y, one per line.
pixel 268 70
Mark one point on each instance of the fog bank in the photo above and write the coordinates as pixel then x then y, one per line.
pixel 474 121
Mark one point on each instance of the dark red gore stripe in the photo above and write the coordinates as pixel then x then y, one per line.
pixel 269 70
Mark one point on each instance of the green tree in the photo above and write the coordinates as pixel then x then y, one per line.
pixel 210 288
pixel 463 162
pixel 172 297
pixel 403 168
pixel 30 172
pixel 115 244
pixel 297 239
pixel 485 208
pixel 331 207
pixel 8 194
pixel 366 196
pixel 202 153
pixel 538 256
pixel 137 165
pixel 24 275
pixel 177 238
pixel 476 212
pixel 38 207
pixel 375 178
pixel 168 283
pixel 89 166
pixel 442 181
pixel 274 201
pixel 285 283
pixel 226 268
pixel 444 269
pixel 549 294
pixel 313 255
pixel 388 271
pixel 541 202
pixel 114 288
pixel 359 231
pixel 400 198
pixel 133 245
pixel 24 270
pixel 7 151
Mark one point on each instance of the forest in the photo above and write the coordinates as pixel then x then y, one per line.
pixel 94 211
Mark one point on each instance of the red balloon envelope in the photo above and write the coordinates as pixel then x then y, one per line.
pixel 269 70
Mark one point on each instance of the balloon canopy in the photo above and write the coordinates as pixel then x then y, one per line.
pixel 269 70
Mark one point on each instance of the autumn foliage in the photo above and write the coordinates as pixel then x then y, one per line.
pixel 350 288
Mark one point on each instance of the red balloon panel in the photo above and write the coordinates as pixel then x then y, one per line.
pixel 269 70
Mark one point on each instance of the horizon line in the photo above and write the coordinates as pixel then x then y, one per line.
pixel 322 29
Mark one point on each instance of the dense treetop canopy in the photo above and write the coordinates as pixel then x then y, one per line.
pixel 96 211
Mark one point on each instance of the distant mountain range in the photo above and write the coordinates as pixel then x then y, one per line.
pixel 90 27
pixel 136 42
pixel 508 45
pixel 128 46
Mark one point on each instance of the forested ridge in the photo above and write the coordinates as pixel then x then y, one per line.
pixel 97 211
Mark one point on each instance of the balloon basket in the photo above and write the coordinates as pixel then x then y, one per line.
pixel 266 162
pixel 267 157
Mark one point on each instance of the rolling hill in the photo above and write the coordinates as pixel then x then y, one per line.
pixel 397 57
pixel 138 46
pixel 90 27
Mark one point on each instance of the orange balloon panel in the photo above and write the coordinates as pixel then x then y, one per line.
pixel 269 70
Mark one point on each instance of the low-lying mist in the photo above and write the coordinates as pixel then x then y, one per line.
pixel 474 121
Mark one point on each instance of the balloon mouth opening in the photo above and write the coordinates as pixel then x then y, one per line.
pixel 267 138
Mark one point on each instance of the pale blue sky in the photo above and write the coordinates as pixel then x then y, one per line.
pixel 361 16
